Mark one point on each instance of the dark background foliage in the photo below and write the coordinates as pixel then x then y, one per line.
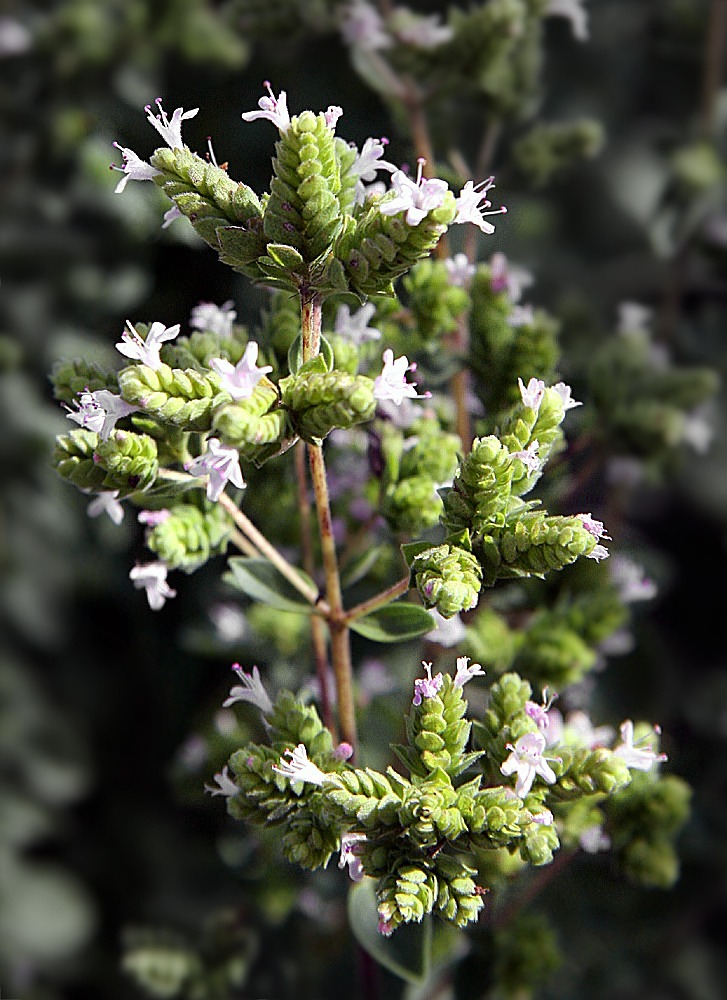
pixel 98 695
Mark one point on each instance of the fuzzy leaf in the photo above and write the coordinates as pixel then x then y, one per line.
pixel 394 623
pixel 259 580
pixel 407 953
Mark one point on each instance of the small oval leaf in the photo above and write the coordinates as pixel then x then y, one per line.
pixel 394 623
pixel 407 953
pixel 261 581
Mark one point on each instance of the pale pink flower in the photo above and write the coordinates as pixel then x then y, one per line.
pixel 170 131
pixel 275 109
pixel 240 379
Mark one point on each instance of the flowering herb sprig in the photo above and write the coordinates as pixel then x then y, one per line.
pixel 174 430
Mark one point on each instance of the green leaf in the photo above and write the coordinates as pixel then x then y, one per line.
pixel 410 550
pixel 286 256
pixel 358 568
pixel 295 355
pixel 394 623
pixel 261 581
pixel 407 953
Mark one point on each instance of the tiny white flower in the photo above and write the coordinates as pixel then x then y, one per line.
pixel 349 843
pixel 539 713
pixel 527 762
pixel 532 394
pixel 697 432
pixel 152 577
pixel 428 686
pixel 640 758
pixel 447 631
pixel 508 277
pixel 363 27
pixel 593 839
pixel 332 113
pixel 468 205
pixel 152 518
pixel 573 11
pixel 221 464
pixel 593 527
pixel 421 31
pixel 98 411
pixel 225 785
pixel 133 168
pixel 366 165
pixel 465 673
pixel 459 270
pixel 580 731
pixel 170 131
pixel 354 326
pixel 170 215
pixel 146 351
pixel 416 198
pixel 634 317
pixel 299 767
pixel 251 690
pixel 521 315
pixel 214 319
pixel 229 622
pixel 15 38
pixel 240 379
pixel 630 580
pixel 107 503
pixel 529 456
pixel 391 384
pixel 275 109
pixel 566 398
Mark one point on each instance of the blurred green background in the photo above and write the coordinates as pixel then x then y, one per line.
pixel 103 825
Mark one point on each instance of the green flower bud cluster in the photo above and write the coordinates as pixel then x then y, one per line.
pixel 555 646
pixel 525 952
pixel 280 326
pixel 375 249
pixel 73 459
pixel 508 537
pixel 130 461
pixel 303 210
pixel 448 578
pixel 412 831
pixel 346 154
pixel 501 352
pixel 641 408
pixel 480 495
pixel 163 963
pixel 587 772
pixel 523 425
pixel 435 304
pixel 184 399
pixel 532 545
pixel 266 797
pixel 225 213
pixel 198 349
pixel 412 476
pixel 71 377
pixel 505 719
pixel 188 537
pixel 319 401
pixel 127 462
pixel 494 52
pixel 643 821
pixel 257 426
pixel 547 150
pixel 438 731
pixel 168 965
pixel 443 885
